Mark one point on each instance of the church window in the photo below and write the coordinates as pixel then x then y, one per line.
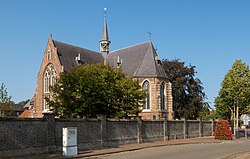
pixel 146 87
pixel 46 81
pixel 49 81
pixel 162 94
pixel 53 77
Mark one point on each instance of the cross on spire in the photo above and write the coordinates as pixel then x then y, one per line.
pixel 149 35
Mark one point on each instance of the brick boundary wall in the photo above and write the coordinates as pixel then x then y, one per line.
pixel 44 135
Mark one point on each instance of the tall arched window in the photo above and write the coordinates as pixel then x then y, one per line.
pixel 49 81
pixel 46 81
pixel 146 87
pixel 162 94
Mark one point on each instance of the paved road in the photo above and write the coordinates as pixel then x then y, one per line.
pixel 190 151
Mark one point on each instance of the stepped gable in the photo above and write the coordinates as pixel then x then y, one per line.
pixel 138 61
pixel 68 53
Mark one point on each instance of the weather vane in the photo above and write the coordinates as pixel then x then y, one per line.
pixel 105 12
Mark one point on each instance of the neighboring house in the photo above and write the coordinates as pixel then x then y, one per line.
pixel 246 119
pixel 138 61
pixel 13 110
pixel 29 109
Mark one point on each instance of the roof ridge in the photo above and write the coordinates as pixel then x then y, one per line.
pixel 130 46
pixel 154 54
pixel 139 66
pixel 156 65
pixel 72 45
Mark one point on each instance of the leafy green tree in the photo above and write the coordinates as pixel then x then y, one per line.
pixel 207 114
pixel 187 91
pixel 4 101
pixel 235 91
pixel 89 90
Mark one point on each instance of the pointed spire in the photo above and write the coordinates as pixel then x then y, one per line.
pixel 104 43
pixel 105 36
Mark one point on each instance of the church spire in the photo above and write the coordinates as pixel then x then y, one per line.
pixel 104 43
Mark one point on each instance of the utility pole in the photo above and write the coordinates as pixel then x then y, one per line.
pixel 234 122
pixel 237 120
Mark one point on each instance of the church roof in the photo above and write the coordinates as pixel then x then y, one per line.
pixel 68 53
pixel 140 60
pixel 137 61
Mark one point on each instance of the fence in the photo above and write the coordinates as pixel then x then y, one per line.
pixel 34 136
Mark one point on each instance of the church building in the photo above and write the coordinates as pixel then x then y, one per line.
pixel 139 61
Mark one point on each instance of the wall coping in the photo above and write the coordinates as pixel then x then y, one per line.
pixel 22 119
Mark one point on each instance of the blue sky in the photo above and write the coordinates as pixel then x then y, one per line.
pixel 209 34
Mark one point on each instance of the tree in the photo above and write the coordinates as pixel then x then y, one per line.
pixel 187 91
pixel 89 90
pixel 235 91
pixel 4 101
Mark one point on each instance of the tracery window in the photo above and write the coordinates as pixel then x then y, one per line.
pixel 49 81
pixel 146 87
pixel 162 95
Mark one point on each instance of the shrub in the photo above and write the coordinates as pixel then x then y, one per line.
pixel 223 131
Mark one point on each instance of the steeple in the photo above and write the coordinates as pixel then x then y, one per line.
pixel 104 43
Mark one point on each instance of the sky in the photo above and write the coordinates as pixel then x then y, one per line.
pixel 208 34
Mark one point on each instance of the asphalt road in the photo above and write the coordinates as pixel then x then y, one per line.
pixel 188 151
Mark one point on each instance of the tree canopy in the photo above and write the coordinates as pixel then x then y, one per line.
pixel 4 101
pixel 187 91
pixel 235 91
pixel 89 90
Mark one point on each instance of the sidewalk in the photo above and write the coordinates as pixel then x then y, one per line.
pixel 123 148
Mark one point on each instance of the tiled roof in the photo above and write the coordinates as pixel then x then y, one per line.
pixel 138 61
pixel 68 53
pixel 30 103
pixel 26 114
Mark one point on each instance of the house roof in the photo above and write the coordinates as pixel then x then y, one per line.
pixel 26 114
pixel 140 60
pixel 30 103
pixel 68 53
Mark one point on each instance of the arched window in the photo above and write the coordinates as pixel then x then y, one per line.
pixel 46 81
pixel 146 87
pixel 162 94
pixel 49 81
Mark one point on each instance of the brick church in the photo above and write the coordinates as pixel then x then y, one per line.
pixel 139 61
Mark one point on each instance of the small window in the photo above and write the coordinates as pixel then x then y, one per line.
pixel 49 54
pixel 162 94
pixel 146 87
